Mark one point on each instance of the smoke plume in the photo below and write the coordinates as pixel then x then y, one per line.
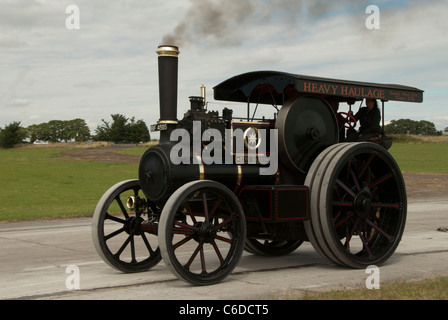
pixel 210 19
pixel 224 21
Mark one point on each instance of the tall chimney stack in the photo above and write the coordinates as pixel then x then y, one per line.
pixel 168 70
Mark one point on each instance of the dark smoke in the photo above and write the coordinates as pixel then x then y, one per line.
pixel 224 21
pixel 210 19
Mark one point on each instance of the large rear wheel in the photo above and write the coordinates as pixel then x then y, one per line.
pixel 358 204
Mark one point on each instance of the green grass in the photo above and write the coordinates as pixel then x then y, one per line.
pixel 38 183
pixel 431 289
pixel 429 158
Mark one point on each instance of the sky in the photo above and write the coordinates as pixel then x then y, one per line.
pixel 50 70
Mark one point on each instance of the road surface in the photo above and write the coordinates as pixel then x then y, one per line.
pixel 40 259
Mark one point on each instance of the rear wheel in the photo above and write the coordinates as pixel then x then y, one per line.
pixel 358 204
pixel 202 232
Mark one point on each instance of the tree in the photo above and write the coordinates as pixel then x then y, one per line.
pixel 138 131
pixel 32 132
pixel 122 129
pixel 119 130
pixel 59 130
pixel 12 134
pixel 407 126
pixel 77 130
pixel 102 132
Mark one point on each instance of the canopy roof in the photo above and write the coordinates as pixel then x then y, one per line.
pixel 273 87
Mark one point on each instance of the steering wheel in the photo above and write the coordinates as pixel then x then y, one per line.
pixel 348 120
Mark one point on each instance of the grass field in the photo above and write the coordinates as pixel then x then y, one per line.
pixel 421 154
pixel 39 183
pixel 36 182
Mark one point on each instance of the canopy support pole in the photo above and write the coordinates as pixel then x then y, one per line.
pixel 382 119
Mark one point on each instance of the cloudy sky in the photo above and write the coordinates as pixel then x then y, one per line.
pixel 109 64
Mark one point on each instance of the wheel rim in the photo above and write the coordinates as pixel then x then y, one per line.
pixel 125 239
pixel 362 205
pixel 202 232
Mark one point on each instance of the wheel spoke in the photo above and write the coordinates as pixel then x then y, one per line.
pixel 204 271
pixel 386 205
pixel 350 234
pixel 342 204
pixel 381 231
pixel 147 244
pixel 204 199
pixel 193 256
pixel 355 179
pixel 123 209
pixel 381 180
pixel 215 207
pixel 123 246
pixel 190 213
pixel 351 215
pixel 366 167
pixel 222 224
pixel 182 228
pixel 113 218
pixel 224 239
pixel 182 242
pixel 365 244
pixel 113 234
pixel 218 252
pixel 346 189
pixel 133 260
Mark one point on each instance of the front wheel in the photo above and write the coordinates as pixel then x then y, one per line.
pixel 124 238
pixel 202 232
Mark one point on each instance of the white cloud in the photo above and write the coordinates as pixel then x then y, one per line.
pixel 18 102
pixel 110 66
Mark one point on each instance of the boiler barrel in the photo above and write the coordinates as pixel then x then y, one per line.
pixel 159 178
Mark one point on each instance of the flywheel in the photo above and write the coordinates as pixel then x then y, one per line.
pixel 306 126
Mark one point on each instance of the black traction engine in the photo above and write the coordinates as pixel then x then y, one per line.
pixel 217 185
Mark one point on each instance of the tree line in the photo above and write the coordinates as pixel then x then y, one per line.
pixel 128 130
pixel 120 130
pixel 407 126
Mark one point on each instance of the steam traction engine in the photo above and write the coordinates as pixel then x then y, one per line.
pixel 347 198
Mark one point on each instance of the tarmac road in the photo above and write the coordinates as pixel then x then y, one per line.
pixel 34 257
